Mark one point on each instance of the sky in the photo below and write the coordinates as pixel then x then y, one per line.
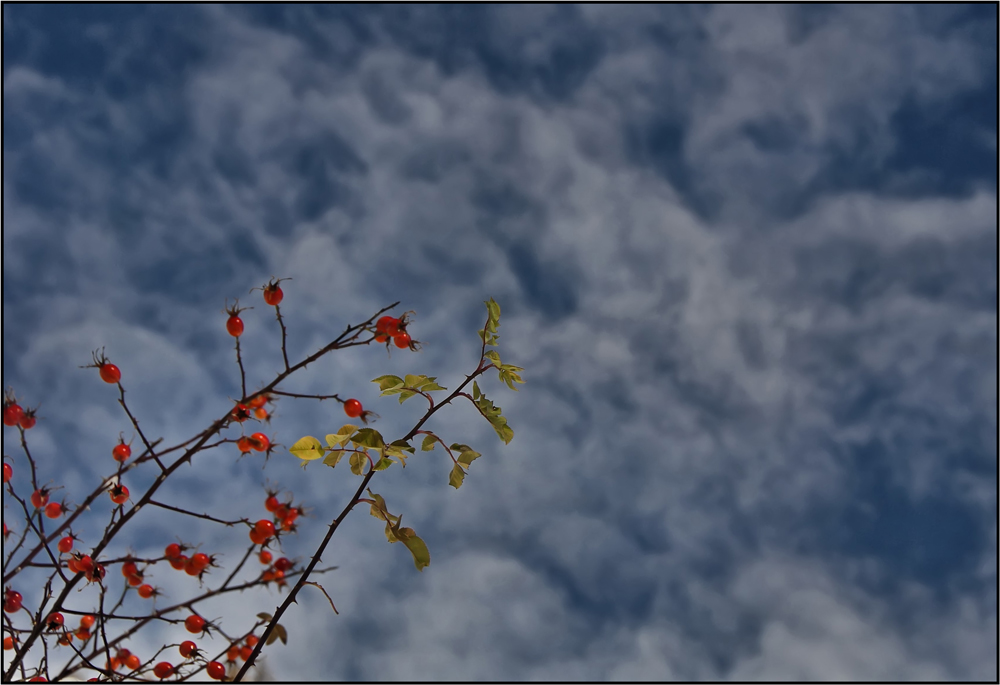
pixel 746 256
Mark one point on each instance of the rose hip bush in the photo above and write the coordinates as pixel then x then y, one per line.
pixel 69 603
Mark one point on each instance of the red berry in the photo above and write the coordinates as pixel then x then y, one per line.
pixel 255 538
pixel 146 591
pixel 272 294
pixel 135 580
pixel 39 498
pixel 252 641
pixel 188 649
pixel 200 560
pixel 260 413
pixel 240 413
pixel 271 503
pixel 387 325
pixel 53 510
pixel 129 569
pixel 8 472
pixel 66 544
pixel 121 452
pixel 132 662
pixel 12 601
pixel 110 373
pixel 245 652
pixel 235 326
pixel 244 444
pixel 257 401
pixel 402 340
pixel 162 670
pixel 8 642
pixel 191 569
pixel 353 408
pixel 283 564
pixel 264 528
pixel 179 562
pixel 54 621
pixel 265 557
pixel 87 622
pixel 260 442
pixel 12 414
pixel 232 653
pixel 216 671
pixel 28 420
pixel 119 494
pixel 82 634
pixel 172 551
pixel 194 623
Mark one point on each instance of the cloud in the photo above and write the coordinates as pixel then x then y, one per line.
pixel 758 437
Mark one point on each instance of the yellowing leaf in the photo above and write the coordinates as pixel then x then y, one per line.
pixel 368 437
pixel 358 461
pixel 341 436
pixel 457 477
pixel 334 458
pixel 307 449
pixel 428 444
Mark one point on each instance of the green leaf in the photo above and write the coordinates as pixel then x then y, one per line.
pixel 333 458
pixel 387 382
pixel 368 437
pixel 468 455
pixel 383 463
pixel 496 419
pixel 494 310
pixel 457 477
pixel 358 461
pixel 341 436
pixel 379 510
pixel 400 445
pixel 428 444
pixel 493 356
pixel 476 394
pixel 307 448
pixel 405 395
pixel 421 555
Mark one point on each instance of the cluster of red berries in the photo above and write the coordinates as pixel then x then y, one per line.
pixel 82 563
pixel 256 406
pixel 15 415
pixel 389 327
pixel 124 658
pixel 242 652
pixel 194 565
pixel 284 513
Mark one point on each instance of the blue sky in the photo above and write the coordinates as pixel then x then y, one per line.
pixel 745 254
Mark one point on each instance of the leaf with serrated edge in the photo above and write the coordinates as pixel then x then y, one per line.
pixel 405 395
pixel 493 356
pixel 358 463
pixel 428 444
pixel 333 458
pixel 307 448
pixel 341 436
pixel 386 382
pixel 475 390
pixel 368 437
pixel 457 477
pixel 402 445
pixel 467 457
pixel 383 463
